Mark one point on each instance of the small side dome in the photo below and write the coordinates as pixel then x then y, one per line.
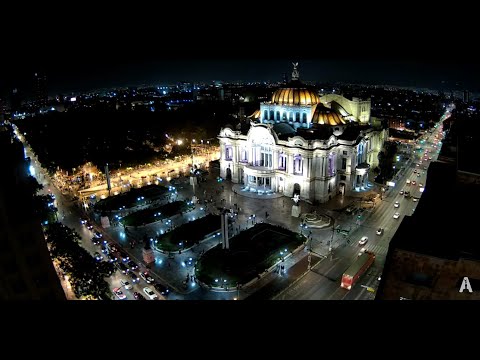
pixel 326 116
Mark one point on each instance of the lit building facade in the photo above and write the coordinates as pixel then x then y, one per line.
pixel 297 144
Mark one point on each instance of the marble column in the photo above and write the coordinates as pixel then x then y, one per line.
pixel 290 164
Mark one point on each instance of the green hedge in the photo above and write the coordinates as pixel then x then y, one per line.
pixel 130 199
pixel 148 216
pixel 188 234
pixel 251 253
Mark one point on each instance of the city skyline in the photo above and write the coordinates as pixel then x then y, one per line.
pixel 67 77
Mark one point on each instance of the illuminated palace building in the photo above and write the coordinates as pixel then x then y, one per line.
pixel 303 143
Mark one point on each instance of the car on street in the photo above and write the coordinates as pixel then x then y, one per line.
pixel 95 241
pixel 111 247
pixel 126 284
pixel 89 226
pixel 396 215
pixel 98 256
pixel 121 266
pixel 408 181
pixel 104 249
pixel 134 277
pixel 149 292
pixel 138 296
pixel 163 290
pixel 119 293
pixel 98 234
pixel 380 231
pixel 401 192
pixel 83 221
pixel 396 204
pixel 420 185
pixel 146 276
pixel 112 258
pixel 124 256
pixel 133 265
pixel 363 240
pixel 414 182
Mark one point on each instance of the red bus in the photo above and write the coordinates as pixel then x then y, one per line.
pixel 353 273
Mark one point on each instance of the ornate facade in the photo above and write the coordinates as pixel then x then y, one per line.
pixel 300 145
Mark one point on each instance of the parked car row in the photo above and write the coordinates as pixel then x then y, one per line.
pixel 113 253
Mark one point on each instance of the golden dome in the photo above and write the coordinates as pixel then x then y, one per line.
pixel 255 115
pixel 326 116
pixel 295 96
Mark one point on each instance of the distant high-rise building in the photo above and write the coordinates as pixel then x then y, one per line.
pixel 15 101
pixel 40 90
pixel 3 109
pixel 466 96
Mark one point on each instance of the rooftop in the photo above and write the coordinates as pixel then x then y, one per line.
pixel 443 224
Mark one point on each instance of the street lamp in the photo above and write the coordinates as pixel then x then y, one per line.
pixel 331 239
pixel 303 226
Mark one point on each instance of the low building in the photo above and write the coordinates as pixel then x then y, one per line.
pixel 26 269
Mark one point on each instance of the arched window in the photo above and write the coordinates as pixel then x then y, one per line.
pixel 265 115
pixel 271 115
pixel 278 115
pixel 290 116
pixel 282 161
pixel 304 118
pixel 298 165
pixel 297 117
pixel 284 116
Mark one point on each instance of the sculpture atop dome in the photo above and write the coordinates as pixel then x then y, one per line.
pixel 295 72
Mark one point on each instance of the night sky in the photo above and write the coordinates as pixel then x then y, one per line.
pixel 80 49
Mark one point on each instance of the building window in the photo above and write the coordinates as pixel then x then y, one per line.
pixel 344 164
pixel 278 115
pixel 244 157
pixel 265 115
pixel 297 117
pixel 331 164
pixel 266 156
pixel 343 177
pixel 298 165
pixel 284 117
pixel 290 116
pixel 345 152
pixel 282 161
pixel 228 153
pixel 271 115
pixel 304 118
